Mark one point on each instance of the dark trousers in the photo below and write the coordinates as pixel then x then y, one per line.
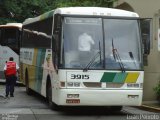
pixel 10 83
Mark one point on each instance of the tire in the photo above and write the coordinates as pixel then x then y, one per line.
pixel 51 104
pixel 116 108
pixel 28 90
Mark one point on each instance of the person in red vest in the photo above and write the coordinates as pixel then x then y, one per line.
pixel 10 70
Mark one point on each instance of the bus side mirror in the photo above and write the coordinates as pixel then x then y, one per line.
pixel 53 43
pixel 146 43
pixel 55 52
pixel 57 23
pixel 145 24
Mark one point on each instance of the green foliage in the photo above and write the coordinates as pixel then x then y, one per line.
pixel 98 3
pixel 157 89
pixel 19 10
pixel 6 20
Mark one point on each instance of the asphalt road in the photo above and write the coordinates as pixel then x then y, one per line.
pixel 35 107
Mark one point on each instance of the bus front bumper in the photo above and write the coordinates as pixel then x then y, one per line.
pixel 86 97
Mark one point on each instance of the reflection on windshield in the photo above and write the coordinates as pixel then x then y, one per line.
pixel 126 38
pixel 85 42
pixel 83 39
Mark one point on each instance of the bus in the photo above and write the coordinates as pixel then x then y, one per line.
pixel 84 56
pixel 9 44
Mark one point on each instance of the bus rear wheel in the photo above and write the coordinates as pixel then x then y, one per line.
pixel 52 105
pixel 28 90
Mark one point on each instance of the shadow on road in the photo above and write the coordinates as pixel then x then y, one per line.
pixel 92 111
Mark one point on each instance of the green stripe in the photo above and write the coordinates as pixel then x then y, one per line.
pixel 108 77
pixel 39 70
pixel 120 78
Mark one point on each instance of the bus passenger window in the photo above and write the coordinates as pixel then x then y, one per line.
pixel 11 41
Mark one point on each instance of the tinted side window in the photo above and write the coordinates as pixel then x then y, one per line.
pixel 38 34
pixel 10 37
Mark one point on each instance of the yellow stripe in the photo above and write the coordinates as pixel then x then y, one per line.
pixel 35 57
pixel 32 69
pixel 132 77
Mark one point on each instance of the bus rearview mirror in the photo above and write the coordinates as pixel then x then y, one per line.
pixel 146 43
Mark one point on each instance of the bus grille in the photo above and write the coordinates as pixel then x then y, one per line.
pixel 114 85
pixel 99 85
pixel 92 84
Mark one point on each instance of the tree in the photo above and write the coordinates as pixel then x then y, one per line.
pixel 98 3
pixel 19 10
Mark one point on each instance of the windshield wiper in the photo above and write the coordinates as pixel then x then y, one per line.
pixel 117 57
pixel 93 59
pixel 91 62
pixel 132 57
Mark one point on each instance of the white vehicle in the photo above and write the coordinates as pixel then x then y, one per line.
pixel 109 72
pixel 9 44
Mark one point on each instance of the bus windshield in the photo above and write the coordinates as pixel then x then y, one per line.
pixel 101 43
pixel 10 37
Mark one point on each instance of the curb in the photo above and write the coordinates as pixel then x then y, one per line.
pixel 150 108
pixel 155 108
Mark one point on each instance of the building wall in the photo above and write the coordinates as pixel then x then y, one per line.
pixel 147 9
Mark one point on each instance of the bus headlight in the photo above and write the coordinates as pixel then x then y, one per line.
pixel 133 85
pixel 76 84
pixel 73 84
pixel 69 84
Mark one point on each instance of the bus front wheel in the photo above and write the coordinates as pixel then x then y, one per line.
pixel 116 108
pixel 52 105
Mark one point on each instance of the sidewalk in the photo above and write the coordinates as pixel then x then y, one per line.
pixel 151 106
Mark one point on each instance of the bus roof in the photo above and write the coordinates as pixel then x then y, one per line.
pixel 95 11
pixel 13 25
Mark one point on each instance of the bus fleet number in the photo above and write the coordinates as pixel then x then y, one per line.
pixel 78 76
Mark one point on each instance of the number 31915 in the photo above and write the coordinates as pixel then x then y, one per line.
pixel 78 76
